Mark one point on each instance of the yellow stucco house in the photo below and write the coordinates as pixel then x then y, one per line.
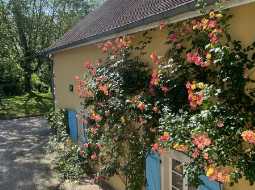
pixel 116 18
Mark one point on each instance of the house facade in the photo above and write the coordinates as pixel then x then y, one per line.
pixel 124 17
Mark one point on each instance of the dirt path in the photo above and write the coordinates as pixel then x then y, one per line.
pixel 24 164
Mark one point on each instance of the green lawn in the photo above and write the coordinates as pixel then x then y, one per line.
pixel 33 104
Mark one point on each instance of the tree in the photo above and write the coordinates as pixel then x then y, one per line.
pixel 11 74
pixel 28 26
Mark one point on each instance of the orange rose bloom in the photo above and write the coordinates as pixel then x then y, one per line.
pixel 249 136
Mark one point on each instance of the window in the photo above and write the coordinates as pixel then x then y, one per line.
pixel 173 178
pixel 177 175
pixel 172 171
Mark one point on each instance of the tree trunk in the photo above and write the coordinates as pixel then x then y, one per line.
pixel 28 82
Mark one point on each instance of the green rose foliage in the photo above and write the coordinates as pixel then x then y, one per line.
pixel 192 100
pixel 214 66
pixel 116 125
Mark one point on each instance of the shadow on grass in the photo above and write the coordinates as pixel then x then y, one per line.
pixel 39 104
pixel 32 104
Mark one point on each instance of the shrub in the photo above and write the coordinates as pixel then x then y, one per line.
pixel 39 85
pixel 69 164
pixel 58 123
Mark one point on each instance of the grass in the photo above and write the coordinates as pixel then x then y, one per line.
pixel 32 104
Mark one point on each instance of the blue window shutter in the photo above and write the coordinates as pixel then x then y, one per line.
pixel 208 184
pixel 72 122
pixel 153 172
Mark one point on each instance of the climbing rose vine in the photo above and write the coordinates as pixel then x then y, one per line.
pixel 215 126
pixel 191 100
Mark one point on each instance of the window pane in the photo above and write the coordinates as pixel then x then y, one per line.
pixel 175 188
pixel 177 180
pixel 192 188
pixel 177 166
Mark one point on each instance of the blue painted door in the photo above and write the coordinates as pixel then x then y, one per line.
pixel 208 184
pixel 72 123
pixel 153 172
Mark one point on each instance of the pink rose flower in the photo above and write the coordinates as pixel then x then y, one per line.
pixel 165 89
pixel 96 117
pixel 212 24
pixel 76 78
pixel 154 57
pixel 154 78
pixel 86 145
pixel 165 137
pixel 93 156
pixel 206 156
pixel 173 37
pixel 197 60
pixel 249 136
pixel 189 57
pixel 155 147
pixel 196 153
pixel 162 25
pixel 245 72
pixel 201 140
pixel 178 46
pixel 141 106
pixel 220 124
pixel 213 38
pixel 194 58
pixel 81 153
pixel 104 89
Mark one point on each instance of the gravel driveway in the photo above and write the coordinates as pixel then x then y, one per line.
pixel 24 164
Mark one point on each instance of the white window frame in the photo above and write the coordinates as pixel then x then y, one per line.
pixel 166 167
